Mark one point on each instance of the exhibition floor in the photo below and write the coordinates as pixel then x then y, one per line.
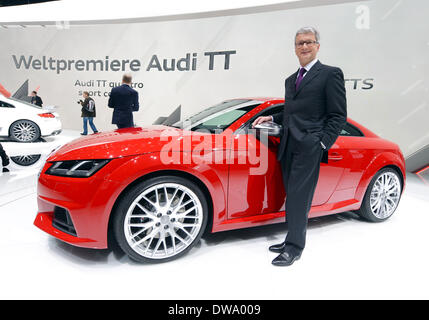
pixel 345 257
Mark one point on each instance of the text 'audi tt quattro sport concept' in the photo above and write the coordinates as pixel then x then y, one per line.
pixel 155 190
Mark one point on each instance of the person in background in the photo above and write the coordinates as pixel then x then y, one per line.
pixel 124 100
pixel 88 113
pixel 35 99
pixel 4 157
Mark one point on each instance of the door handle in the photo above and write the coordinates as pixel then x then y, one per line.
pixel 335 156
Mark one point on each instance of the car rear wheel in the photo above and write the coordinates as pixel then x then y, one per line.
pixel 160 219
pixel 382 196
pixel 24 131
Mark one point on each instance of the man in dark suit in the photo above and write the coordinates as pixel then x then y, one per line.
pixel 35 99
pixel 314 113
pixel 124 100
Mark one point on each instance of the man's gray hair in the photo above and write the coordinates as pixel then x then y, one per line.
pixel 308 30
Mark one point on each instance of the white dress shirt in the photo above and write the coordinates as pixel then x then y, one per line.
pixel 307 67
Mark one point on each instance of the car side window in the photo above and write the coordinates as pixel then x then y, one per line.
pixel 5 105
pixel 350 130
pixel 223 120
pixel 272 110
pixel 268 112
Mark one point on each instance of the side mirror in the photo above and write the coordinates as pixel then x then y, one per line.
pixel 269 128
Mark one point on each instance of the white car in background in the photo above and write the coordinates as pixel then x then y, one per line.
pixel 24 122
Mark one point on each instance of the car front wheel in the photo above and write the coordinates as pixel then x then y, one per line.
pixel 160 219
pixel 382 196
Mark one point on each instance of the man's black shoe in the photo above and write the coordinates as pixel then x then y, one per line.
pixel 288 257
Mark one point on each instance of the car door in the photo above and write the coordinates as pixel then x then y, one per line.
pixel 351 156
pixel 255 184
pixel 263 193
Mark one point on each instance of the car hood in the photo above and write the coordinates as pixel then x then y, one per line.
pixel 124 142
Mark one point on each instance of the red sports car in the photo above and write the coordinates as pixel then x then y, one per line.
pixel 157 189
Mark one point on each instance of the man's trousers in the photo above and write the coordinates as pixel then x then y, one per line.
pixel 300 166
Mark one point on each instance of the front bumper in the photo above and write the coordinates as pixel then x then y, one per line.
pixel 44 221
pixel 88 202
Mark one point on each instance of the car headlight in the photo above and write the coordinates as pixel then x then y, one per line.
pixel 76 168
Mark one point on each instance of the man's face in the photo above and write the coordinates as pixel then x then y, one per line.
pixel 33 94
pixel 306 48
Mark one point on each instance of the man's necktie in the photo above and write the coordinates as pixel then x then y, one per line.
pixel 302 71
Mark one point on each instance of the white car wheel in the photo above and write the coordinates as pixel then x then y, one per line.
pixel 24 131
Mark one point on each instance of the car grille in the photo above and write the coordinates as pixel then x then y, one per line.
pixel 63 221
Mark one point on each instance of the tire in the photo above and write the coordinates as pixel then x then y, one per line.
pixel 26 160
pixel 160 219
pixel 382 196
pixel 24 131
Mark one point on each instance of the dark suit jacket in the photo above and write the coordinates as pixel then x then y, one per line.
pixel 124 100
pixel 318 108
pixel 37 101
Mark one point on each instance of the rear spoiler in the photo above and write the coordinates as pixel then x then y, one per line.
pixel 50 108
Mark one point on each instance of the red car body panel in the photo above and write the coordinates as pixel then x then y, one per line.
pixel 238 200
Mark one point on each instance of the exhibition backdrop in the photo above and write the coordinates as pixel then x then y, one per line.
pixel 381 45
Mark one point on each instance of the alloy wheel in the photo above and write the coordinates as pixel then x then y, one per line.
pixel 25 131
pixel 385 195
pixel 26 160
pixel 163 221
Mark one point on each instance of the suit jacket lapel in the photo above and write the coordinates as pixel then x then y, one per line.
pixel 314 71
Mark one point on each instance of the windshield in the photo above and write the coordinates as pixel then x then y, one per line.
pixel 25 102
pixel 218 117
